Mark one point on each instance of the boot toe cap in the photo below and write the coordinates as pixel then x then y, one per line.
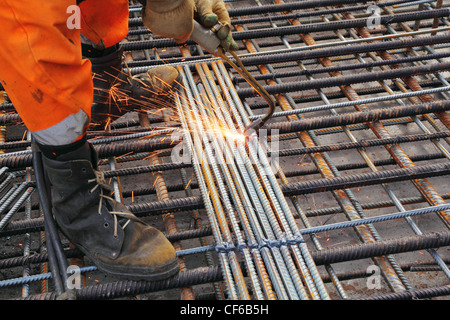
pixel 146 255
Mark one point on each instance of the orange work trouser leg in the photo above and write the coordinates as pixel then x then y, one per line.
pixel 41 66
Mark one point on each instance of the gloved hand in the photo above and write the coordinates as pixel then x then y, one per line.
pixel 170 18
pixel 174 19
pixel 208 13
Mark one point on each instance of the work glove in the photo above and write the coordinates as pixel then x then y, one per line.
pixel 174 19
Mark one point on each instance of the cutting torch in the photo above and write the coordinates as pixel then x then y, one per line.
pixel 208 40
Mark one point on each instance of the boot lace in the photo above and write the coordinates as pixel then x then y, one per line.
pixel 100 183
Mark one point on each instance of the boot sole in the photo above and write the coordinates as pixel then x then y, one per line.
pixel 161 272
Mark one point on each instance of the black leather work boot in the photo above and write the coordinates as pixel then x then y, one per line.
pixel 116 92
pixel 116 241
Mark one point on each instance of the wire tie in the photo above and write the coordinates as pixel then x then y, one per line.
pixel 242 246
pixel 225 247
pixel 270 243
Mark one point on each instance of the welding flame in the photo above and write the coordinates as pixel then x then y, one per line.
pixel 157 101
pixel 238 137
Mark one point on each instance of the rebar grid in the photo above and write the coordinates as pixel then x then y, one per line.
pixel 343 197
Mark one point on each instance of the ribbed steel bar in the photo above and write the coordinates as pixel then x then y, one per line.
pixel 354 97
pixel 252 47
pixel 352 103
pixel 199 229
pixel 245 172
pixel 234 183
pixel 363 144
pixel 310 41
pixel 409 80
pixel 219 160
pixel 24 159
pixel 297 188
pixel 23 197
pixel 168 219
pixel 296 29
pixel 282 211
pixel 404 244
pixel 217 227
pixel 364 65
pixel 215 185
pixel 386 217
pixel 373 168
pixel 254 232
pixel 426 293
pixel 127 288
pixel 349 80
pixel 289 6
pixel 423 185
pixel 263 70
pixel 412 83
pixel 260 200
pixel 321 257
pixel 304 53
pixel 228 179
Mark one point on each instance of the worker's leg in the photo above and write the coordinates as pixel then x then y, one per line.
pixel 104 22
pixel 42 70
pixel 115 92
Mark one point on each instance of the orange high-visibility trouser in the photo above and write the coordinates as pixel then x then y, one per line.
pixel 41 64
